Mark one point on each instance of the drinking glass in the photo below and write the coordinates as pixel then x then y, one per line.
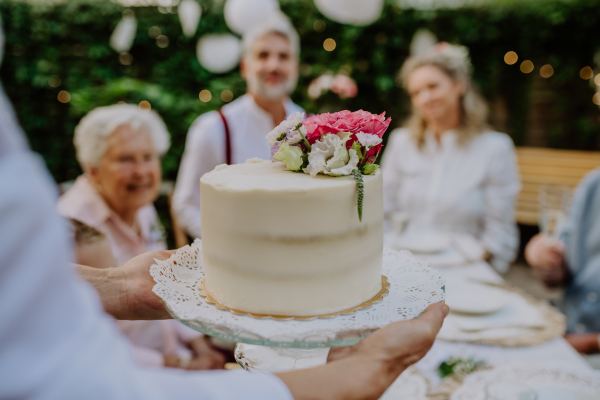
pixel 555 203
pixel 509 391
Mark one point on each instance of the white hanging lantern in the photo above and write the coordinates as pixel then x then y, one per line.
pixel 242 15
pixel 122 37
pixel 218 53
pixel 351 12
pixel 189 12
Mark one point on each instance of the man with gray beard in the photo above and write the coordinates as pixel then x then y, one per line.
pixel 237 131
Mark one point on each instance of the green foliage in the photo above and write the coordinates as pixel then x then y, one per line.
pixel 458 365
pixel 369 168
pixel 360 190
pixel 70 40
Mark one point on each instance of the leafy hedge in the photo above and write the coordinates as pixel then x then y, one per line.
pixel 71 40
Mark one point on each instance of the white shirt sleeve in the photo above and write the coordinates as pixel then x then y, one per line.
pixel 204 150
pixel 55 340
pixel 501 236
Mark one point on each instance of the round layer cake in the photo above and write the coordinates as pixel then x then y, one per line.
pixel 285 243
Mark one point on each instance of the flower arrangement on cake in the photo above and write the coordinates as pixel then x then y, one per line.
pixel 339 144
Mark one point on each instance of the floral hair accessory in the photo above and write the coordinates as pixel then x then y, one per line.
pixel 339 144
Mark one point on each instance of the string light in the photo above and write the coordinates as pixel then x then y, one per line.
pixel 586 73
pixel 329 44
pixel 144 106
pixel 597 80
pixel 319 26
pixel 526 67
pixel 205 96
pixel 154 32
pixel 511 58
pixel 64 96
pixel 54 81
pixel 162 41
pixel 125 58
pixel 596 99
pixel 546 71
pixel 226 96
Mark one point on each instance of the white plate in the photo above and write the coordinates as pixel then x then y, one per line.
pixel 549 392
pixel 423 242
pixel 476 302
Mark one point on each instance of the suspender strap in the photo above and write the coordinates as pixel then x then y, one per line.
pixel 227 138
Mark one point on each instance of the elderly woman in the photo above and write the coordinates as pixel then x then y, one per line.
pixel 446 170
pixel 119 149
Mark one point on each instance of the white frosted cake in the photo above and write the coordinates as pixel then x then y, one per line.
pixel 285 243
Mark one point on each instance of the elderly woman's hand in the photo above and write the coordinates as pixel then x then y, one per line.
pixel 126 291
pixel 137 300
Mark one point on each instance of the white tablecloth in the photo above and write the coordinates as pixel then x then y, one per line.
pixel 555 352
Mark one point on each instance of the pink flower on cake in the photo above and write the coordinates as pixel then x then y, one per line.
pixel 345 121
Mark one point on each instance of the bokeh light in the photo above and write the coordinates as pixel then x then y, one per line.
pixel 144 106
pixel 586 73
pixel 154 32
pixel 596 99
pixel 162 41
pixel 54 81
pixel 64 96
pixel 526 66
pixel 546 71
pixel 125 58
pixel 319 25
pixel 205 96
pixel 511 58
pixel 121 102
pixel 329 44
pixel 226 96
pixel 597 80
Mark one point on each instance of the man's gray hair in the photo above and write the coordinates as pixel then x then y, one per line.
pixel 276 23
pixel 93 131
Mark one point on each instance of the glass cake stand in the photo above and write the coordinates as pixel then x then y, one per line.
pixel 413 287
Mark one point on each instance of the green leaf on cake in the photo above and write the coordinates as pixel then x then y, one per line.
pixel 369 168
pixel 360 188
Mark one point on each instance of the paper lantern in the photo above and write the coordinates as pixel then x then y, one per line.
pixel 122 37
pixel 351 12
pixel 218 53
pixel 189 12
pixel 242 15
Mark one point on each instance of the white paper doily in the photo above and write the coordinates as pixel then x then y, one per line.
pixel 414 286
pixel 538 377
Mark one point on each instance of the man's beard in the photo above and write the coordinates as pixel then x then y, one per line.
pixel 272 92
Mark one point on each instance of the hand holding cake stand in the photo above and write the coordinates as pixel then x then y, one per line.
pixel 294 342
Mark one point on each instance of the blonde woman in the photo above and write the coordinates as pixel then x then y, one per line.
pixel 446 170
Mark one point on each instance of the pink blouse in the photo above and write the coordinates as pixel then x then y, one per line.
pixel 149 339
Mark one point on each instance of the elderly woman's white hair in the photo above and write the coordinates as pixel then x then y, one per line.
pixel 94 129
pixel 276 23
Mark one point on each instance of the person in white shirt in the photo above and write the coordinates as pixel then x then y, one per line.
pixel 57 343
pixel 237 132
pixel 447 170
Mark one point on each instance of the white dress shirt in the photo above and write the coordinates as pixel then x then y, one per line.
pixel 467 188
pixel 205 149
pixel 55 340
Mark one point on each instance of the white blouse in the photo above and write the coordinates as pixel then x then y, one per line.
pixel 467 188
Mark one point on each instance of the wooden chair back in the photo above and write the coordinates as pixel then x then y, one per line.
pixel 542 166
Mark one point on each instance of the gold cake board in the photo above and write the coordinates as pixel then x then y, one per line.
pixel 375 299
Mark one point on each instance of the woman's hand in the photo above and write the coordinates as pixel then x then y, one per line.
pixel 547 258
pixel 137 300
pixel 206 357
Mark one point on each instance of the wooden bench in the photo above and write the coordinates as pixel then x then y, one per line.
pixel 541 166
